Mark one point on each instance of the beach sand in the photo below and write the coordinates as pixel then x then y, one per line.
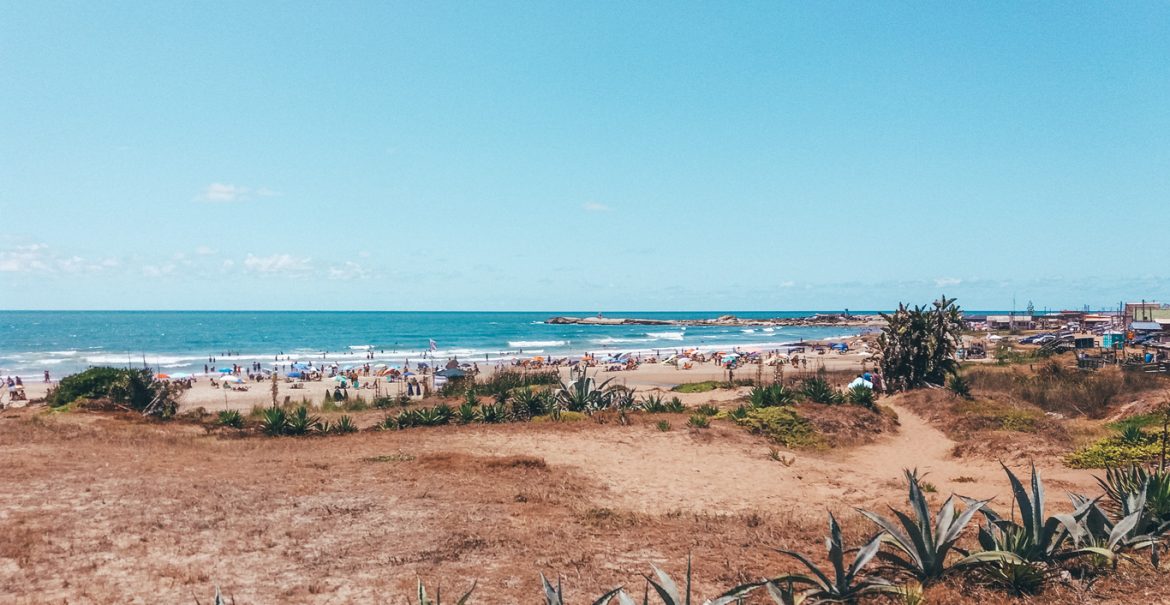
pixel 644 377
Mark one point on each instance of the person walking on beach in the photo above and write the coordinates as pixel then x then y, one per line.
pixel 47 381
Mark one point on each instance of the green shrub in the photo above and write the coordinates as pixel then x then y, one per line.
pixel 466 414
pixel 344 425
pixel 230 418
pixel 860 395
pixel 707 410
pixel 493 413
pixel 818 390
pixel 1069 391
pixel 565 416
pixel 1115 451
pixel 135 389
pixel 93 383
pixel 771 395
pixel 653 403
pixel 959 386
pixel 699 421
pixel 301 422
pixel 780 424
pixel 383 402
pixel 705 386
pixel 274 421
pixel 663 426
pixel 356 404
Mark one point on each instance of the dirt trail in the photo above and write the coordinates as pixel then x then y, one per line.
pixel 726 470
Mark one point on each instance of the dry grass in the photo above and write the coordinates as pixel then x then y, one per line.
pixel 98 508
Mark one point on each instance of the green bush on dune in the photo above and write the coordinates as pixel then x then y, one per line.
pixel 135 389
pixel 780 424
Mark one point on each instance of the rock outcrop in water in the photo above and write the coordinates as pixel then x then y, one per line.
pixel 730 320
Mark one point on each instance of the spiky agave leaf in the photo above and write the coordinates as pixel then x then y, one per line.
pixel 925 541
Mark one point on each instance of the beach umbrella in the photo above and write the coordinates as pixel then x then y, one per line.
pixel 233 379
pixel 225 370
pixel 295 374
pixel 162 376
pixel 339 378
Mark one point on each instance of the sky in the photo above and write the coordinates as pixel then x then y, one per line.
pixel 601 155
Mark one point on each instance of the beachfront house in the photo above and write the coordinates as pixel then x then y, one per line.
pixel 1010 322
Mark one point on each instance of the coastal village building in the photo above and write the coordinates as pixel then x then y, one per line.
pixel 1010 322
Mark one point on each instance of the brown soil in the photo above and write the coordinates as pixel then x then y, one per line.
pixel 96 508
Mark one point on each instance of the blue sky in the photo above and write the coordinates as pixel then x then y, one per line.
pixel 542 156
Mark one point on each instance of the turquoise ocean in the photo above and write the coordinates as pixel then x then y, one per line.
pixel 64 342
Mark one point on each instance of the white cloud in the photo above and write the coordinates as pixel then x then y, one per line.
pixel 350 270
pixel 595 207
pixel 787 284
pixel 204 251
pixel 227 193
pixel 947 281
pixel 24 259
pixel 277 263
pixel 158 270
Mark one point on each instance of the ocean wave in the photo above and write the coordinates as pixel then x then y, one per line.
pixel 611 340
pixel 667 335
pixel 520 344
pixel 121 360
pixel 748 331
pixel 360 347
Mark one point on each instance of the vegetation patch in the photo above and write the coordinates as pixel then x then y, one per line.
pixel 710 385
pixel 1117 450
pixel 561 417
pixel 389 458
pixel 782 425
pixel 1055 387
pixel 985 414
pixel 131 389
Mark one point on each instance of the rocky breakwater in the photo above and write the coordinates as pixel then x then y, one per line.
pixel 819 319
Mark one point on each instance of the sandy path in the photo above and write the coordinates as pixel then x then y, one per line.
pixel 726 470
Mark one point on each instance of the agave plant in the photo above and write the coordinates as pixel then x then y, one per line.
pixel 230 418
pixel 526 403
pixel 818 390
pixel 842 584
pixel 424 599
pixel 436 416
pixel 274 421
pixel 860 395
pixel 653 403
pixel 667 590
pixel 1037 538
pixel 403 420
pixel 623 398
pixel 584 394
pixel 218 599
pixel 1120 482
pixel 1103 536
pixel 493 413
pixel 344 425
pixel 300 422
pixel 771 395
pixel 924 542
pixel 466 414
pixel 554 595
